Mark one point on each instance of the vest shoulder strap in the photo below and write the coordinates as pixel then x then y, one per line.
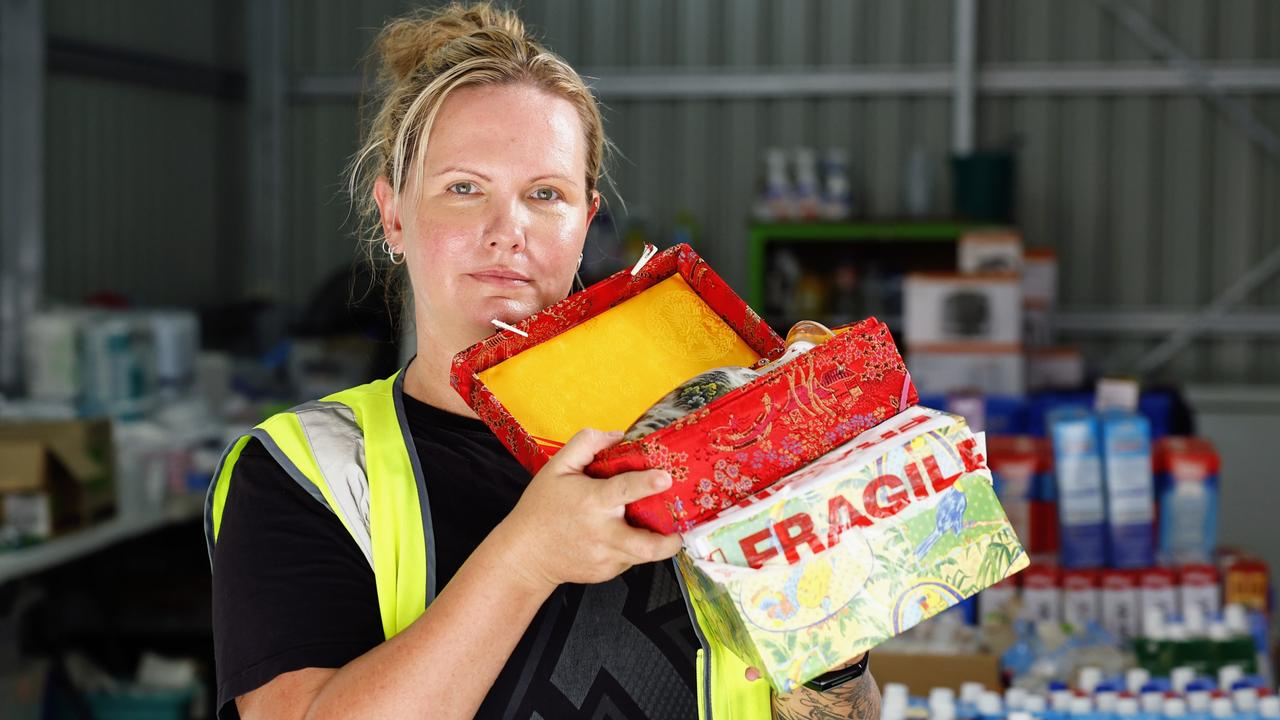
pixel 351 452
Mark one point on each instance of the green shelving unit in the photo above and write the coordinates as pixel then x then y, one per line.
pixel 764 234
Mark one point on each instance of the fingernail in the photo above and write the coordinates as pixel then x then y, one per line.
pixel 664 480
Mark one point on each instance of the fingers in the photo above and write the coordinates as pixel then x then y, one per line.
pixel 648 546
pixel 581 449
pixel 628 487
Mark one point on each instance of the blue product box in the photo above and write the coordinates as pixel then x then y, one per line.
pixel 1130 491
pixel 1077 462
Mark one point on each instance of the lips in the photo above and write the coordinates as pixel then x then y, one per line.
pixel 501 276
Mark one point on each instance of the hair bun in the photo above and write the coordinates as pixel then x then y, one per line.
pixel 424 39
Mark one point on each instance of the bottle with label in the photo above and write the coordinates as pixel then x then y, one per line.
pixel 1127 707
pixel 1187 487
pixel 808 197
pixel 837 192
pixel 1245 697
pixel 1082 707
pixel 970 691
pixel 1222 708
pixel 990 706
pixel 775 203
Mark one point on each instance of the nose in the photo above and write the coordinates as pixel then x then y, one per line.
pixel 506 227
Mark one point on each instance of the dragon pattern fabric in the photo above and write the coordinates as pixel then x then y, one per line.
pixel 689 396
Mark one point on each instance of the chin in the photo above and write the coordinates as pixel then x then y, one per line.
pixel 504 309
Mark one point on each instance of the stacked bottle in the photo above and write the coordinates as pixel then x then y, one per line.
pixel 1135 694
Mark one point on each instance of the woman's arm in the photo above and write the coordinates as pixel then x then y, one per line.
pixel 859 698
pixel 567 527
pixel 444 662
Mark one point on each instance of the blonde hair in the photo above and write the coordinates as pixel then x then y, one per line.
pixel 425 56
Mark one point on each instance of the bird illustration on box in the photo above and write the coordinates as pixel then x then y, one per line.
pixel 950 519
pixel 689 396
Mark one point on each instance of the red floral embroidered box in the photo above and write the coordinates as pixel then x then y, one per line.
pixel 601 357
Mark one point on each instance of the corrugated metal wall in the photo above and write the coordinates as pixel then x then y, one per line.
pixel 1149 200
pixel 144 185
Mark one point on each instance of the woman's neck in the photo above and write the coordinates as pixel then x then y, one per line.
pixel 427 378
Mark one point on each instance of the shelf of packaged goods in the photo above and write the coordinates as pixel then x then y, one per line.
pixel 86 541
pixel 763 234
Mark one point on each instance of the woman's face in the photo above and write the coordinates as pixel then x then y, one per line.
pixel 494 226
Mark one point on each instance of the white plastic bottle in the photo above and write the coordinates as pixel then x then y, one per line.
pixel 1221 708
pixel 1198 700
pixel 893 702
pixel 1089 678
pixel 1245 699
pixel 1060 702
pixel 1134 679
pixel 1181 677
pixel 1175 707
pixel 1152 704
pixel 1269 707
pixel 808 193
pixel 969 694
pixel 990 706
pixel 1106 702
pixel 1081 707
pixel 1228 675
pixel 1127 707
pixel 1015 698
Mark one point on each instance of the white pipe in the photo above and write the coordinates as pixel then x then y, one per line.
pixel 964 92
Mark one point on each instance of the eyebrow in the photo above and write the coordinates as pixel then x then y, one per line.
pixel 486 178
pixel 455 168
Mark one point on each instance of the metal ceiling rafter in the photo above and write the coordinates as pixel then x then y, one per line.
pixel 723 83
pixel 1195 75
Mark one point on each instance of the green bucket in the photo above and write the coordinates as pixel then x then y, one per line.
pixel 982 186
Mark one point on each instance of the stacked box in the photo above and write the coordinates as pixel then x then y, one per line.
pixel 602 357
pixel 883 532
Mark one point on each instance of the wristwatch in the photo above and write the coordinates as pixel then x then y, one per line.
pixel 836 678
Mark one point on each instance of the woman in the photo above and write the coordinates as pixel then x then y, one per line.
pixel 379 553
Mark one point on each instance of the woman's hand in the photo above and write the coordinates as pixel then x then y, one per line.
pixel 568 527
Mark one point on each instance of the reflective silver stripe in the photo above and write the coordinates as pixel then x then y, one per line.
pixel 702 640
pixel 337 444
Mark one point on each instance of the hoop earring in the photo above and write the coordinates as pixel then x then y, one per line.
pixel 577 279
pixel 391 254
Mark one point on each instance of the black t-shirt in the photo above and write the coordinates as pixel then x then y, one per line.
pixel 292 590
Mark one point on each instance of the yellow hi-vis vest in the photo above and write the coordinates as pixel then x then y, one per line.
pixel 352 452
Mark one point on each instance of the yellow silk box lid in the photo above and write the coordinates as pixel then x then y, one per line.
pixel 607 371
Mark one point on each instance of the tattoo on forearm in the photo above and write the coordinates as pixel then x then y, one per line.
pixel 857 699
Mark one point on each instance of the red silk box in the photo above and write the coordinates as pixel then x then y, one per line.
pixel 657 328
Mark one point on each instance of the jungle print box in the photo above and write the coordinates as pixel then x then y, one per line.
pixel 869 540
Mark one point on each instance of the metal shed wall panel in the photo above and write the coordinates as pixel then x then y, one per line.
pixel 1152 200
pixel 142 183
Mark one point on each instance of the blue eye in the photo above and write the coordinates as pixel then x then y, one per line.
pixel 546 194
pixel 469 187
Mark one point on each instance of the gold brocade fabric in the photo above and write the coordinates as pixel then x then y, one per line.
pixel 610 369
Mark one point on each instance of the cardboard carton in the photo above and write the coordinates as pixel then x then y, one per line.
pixel 55 476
